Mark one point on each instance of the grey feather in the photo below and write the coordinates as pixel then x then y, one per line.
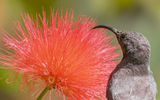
pixel 132 79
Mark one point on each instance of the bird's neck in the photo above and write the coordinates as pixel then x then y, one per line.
pixel 137 58
pixel 138 65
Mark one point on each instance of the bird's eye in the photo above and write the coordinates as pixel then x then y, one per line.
pixel 122 36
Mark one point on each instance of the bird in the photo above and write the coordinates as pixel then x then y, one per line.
pixel 132 79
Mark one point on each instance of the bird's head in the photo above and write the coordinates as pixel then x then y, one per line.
pixel 132 43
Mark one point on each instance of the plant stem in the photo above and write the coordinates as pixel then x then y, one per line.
pixel 43 93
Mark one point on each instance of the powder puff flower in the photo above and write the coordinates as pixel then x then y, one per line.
pixel 63 54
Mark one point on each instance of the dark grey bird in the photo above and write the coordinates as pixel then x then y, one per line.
pixel 132 79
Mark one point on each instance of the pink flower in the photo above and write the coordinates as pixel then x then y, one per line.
pixel 63 53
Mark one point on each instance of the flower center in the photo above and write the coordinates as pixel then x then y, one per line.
pixel 50 80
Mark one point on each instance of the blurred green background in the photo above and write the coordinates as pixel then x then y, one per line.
pixel 136 15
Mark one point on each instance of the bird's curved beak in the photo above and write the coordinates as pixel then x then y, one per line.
pixel 115 31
